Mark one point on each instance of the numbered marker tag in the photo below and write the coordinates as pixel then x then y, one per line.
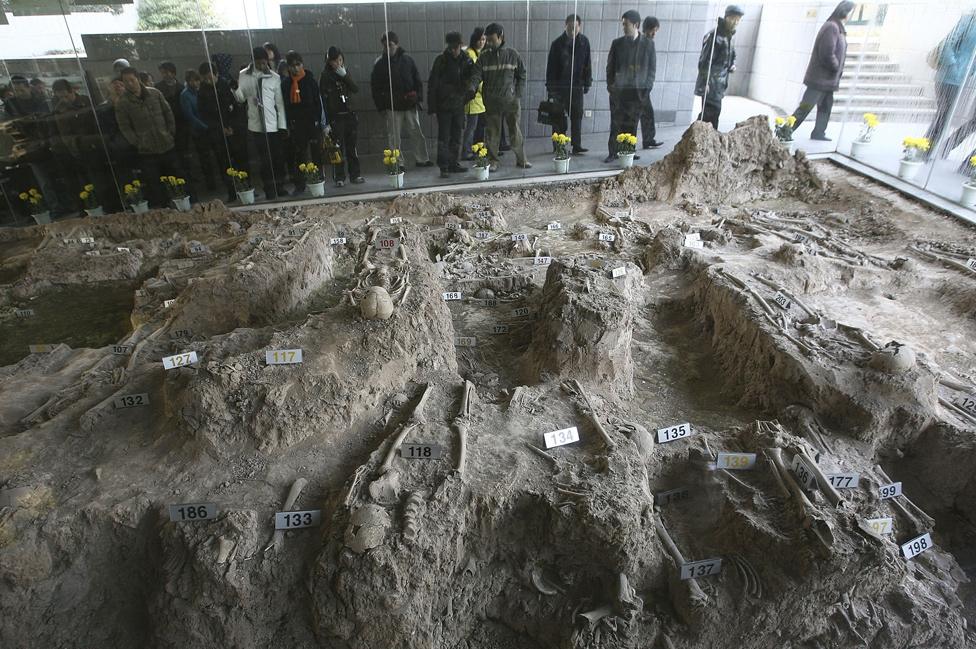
pixel 880 526
pixel 521 311
pixel 179 360
pixel 182 333
pixel 490 302
pixel 561 437
pixel 804 474
pixel 917 546
pixel 453 295
pixel 283 356
pixel 396 219
pixel 131 401
pixel 465 341
pixel 386 244
pixel 555 225
pixel 86 239
pixel 971 264
pixel 892 490
pixel 40 349
pixel 197 249
pixel 618 272
pixel 736 461
pixel 121 350
pixel 542 261
pixel 24 313
pixel 800 238
pixel 966 403
pixel 452 225
pixel 520 237
pixel 295 520
pixel 672 433
pixel 693 240
pixel 93 253
pixel 336 241
pixel 482 234
pixel 168 303
pixel 672 495
pixel 420 451
pixel 122 249
pixel 699 569
pixel 192 512
pixel 844 480
pixel 606 236
pixel 68 241
pixel 499 329
pixel 781 300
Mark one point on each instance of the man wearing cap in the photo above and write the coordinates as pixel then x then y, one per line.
pixel 446 91
pixel 716 62
pixel 260 88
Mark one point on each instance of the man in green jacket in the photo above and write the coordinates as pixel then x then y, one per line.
pixel 502 73
pixel 147 123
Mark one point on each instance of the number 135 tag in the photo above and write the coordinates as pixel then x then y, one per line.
pixel 671 433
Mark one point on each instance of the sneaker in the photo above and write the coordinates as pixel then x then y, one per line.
pixel 429 163
pixel 525 164
pixel 457 169
pixel 609 159
pixel 358 180
pixel 445 173
pixel 579 151
pixel 340 183
pixel 653 144
pixel 636 157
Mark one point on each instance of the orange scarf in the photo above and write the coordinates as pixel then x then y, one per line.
pixel 296 96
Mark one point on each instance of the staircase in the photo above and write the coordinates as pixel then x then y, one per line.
pixel 872 83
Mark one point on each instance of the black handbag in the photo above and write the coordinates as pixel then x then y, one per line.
pixel 550 110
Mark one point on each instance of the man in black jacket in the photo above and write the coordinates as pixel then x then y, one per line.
pixel 337 88
pixel 397 92
pixel 446 91
pixel 648 129
pixel 217 107
pixel 629 78
pixel 569 75
pixel 715 64
pixel 303 110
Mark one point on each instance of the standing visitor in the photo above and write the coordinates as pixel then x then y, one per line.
pixel 198 129
pixel 569 75
pixel 474 110
pixel 172 88
pixel 646 121
pixel 147 123
pixel 716 62
pixel 629 79
pixel 951 60
pixel 397 92
pixel 337 88
pixel 446 90
pixel 260 88
pixel 303 110
pixel 216 104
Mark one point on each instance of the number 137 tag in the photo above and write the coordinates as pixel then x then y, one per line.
pixel 698 569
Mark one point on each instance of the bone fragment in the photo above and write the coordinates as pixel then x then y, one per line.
pixel 828 490
pixel 698 596
pixel 575 386
pixel 416 418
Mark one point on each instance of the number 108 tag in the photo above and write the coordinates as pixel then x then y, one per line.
pixel 335 241
pixel 294 520
pixel 736 461
pixel 561 437
pixel 916 546
pixel 192 512
pixel 672 433
pixel 282 356
pixel 704 568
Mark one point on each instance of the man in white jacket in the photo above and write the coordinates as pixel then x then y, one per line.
pixel 260 88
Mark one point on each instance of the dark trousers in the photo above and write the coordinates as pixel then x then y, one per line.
pixel 152 166
pixel 625 109
pixel 573 108
pixel 220 148
pixel 304 144
pixel 345 135
pixel 945 96
pixel 824 101
pixel 266 148
pixel 710 113
pixel 474 131
pixel 450 126
pixel 648 129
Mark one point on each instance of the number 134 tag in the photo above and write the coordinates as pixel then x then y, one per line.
pixel 561 437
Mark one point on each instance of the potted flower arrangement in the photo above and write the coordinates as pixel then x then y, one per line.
pixel 560 143
pixel 784 132
pixel 626 147
pixel 913 157
pixel 313 178
pixel 969 187
pixel 176 193
pixel 133 196
pixel 481 162
pixel 391 160
pixel 90 200
pixel 242 185
pixel 863 138
pixel 38 208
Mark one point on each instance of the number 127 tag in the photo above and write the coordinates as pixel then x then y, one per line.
pixel 704 568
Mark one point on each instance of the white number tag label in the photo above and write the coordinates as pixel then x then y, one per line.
pixel 395 220
pixel 451 225
pixel 453 295
pixel 693 240
pixel 131 401
pixel 282 356
pixel 542 261
pixel 561 437
pixel 672 495
pixel 736 461
pixel 699 569
pixel 122 249
pixel 887 491
pixel 672 433
pixel 618 272
pixel 917 546
pixel 40 349
pixel 971 264
pixel 335 241
pixel 93 253
pixel 465 341
pixel 420 451
pixel 386 244
pixel 86 239
pixel 521 311
pixel 179 360
pixel 967 403
pixel 606 236
pixel 192 512
pixel 499 329
pixel 120 350
pixel 844 480
pixel 25 313
pixel 295 520
pixel 803 472
pixel 520 237
pixel 168 303
pixel 482 234
pixel 555 225
pixel 197 249
pixel 880 526
pixel 781 300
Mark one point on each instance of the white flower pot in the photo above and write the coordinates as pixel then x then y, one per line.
pixel 396 180
pixel 141 207
pixel 42 218
pixel 182 203
pixel 317 189
pixel 246 197
pixel 95 211
pixel 968 198
pixel 626 160
pixel 790 146
pixel 858 148
pixel 480 173
pixel 561 165
pixel 908 169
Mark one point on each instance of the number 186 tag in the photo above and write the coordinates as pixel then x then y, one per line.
pixel 704 568
pixel 561 437
pixel 192 512
pixel 294 520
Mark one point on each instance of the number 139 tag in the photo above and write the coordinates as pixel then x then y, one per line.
pixel 294 520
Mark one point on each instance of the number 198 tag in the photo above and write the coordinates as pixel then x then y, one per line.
pixel 917 546
pixel 561 437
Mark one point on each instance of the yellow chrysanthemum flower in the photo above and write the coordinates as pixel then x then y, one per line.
pixel 230 171
pixel 780 121
pixel 243 174
pixel 972 161
pixel 137 182
pixel 128 189
pixel 387 153
pixel 791 121
pixel 301 167
pixel 24 196
pixel 83 195
pixel 36 200
pixel 483 153
pixel 396 153
pixel 33 192
pixel 162 179
pixel 89 188
pixel 180 181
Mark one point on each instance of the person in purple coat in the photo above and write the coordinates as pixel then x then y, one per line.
pixel 824 71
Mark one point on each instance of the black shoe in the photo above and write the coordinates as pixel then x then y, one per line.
pixel 457 169
pixel 298 191
pixel 445 173
pixel 467 158
pixel 429 163
pixel 820 137
pixel 636 157
pixel 609 159
pixel 579 150
pixel 231 198
pixel 358 180
pixel 653 144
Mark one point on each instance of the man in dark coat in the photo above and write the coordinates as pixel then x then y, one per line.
pixel 397 92
pixel 716 62
pixel 337 88
pixel 648 129
pixel 569 75
pixel 225 139
pixel 446 92
pixel 303 111
pixel 824 71
pixel 629 78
